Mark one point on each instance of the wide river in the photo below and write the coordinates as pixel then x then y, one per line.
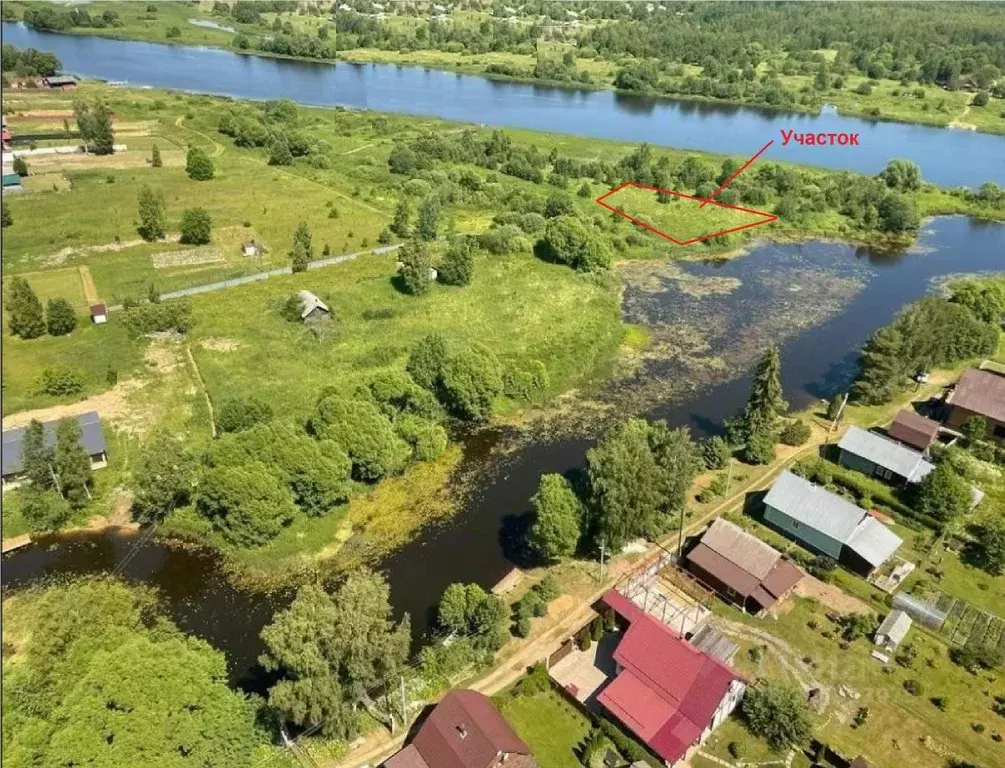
pixel 819 301
pixel 949 158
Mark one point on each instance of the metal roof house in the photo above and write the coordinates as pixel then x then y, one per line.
pixel 914 430
pixel 667 692
pixel 741 568
pixel 828 524
pixel 312 308
pixel 979 393
pixel 893 630
pixel 92 440
pixel 874 454
pixel 464 730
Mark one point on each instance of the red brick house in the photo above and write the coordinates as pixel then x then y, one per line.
pixel 464 730
pixel 667 692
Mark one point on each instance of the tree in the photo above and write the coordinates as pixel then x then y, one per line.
pixel 400 223
pixel 20 167
pixel 364 433
pixel 246 504
pixel 151 210
pixel 458 264
pixel 196 226
pixel 5 216
pixel 555 531
pixel 427 225
pixel 94 121
pixel 639 474
pixel 901 174
pixel 884 371
pixel 767 401
pixel 155 157
pixel 73 465
pixel 279 153
pixel 795 433
pixel 898 213
pixel 987 547
pixel 470 381
pixel 715 451
pixel 415 268
pixel 467 609
pixel 974 429
pixel 331 650
pixel 778 714
pixel 38 462
pixel 302 252
pixel 981 99
pixel 198 165
pixel 238 414
pixel 567 240
pixel 426 360
pixel 164 477
pixel 943 494
pixel 24 310
pixel 60 319
pixel 44 509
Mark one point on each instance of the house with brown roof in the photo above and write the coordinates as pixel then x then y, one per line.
pixel 741 568
pixel 464 730
pixel 979 393
pixel 913 430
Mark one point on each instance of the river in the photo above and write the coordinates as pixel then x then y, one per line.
pixel 946 157
pixel 819 300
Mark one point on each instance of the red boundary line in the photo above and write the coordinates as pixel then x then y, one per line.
pixel 769 217
pixel 742 168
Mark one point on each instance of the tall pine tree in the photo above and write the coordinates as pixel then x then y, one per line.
pixel 399 224
pixel 303 250
pixel 766 404
pixel 37 461
pixel 25 310
pixel 73 465
pixel 883 370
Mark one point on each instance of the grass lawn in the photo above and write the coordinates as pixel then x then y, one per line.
pixel 680 218
pixel 552 727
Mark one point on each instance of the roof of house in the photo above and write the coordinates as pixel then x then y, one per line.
pixel 464 730
pixel 91 439
pixel 913 429
pixel 884 452
pixel 982 392
pixel 744 563
pixel 310 302
pixel 61 80
pixel 895 626
pixel 838 518
pixel 668 690
pixel 98 309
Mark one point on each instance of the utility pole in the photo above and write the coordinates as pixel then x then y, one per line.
pixel 404 703
pixel 602 543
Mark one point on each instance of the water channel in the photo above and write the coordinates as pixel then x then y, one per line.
pixel 818 300
pixel 946 157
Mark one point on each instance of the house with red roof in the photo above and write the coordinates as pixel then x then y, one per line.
pixel 464 730
pixel 667 692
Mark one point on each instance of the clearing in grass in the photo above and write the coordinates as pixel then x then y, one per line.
pixel 680 218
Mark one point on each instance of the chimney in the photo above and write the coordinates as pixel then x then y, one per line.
pixel 462 730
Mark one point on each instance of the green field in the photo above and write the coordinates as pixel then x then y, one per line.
pixel 681 218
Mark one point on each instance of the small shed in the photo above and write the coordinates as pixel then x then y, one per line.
pixel 60 81
pixel 312 309
pixel 99 314
pixel 893 630
pixel 250 249
pixel 914 430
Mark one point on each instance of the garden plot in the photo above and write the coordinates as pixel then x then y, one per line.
pixel 188 258
pixel 967 625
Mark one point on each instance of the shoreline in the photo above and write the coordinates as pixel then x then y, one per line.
pixel 394 58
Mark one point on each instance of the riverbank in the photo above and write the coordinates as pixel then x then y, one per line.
pixel 859 96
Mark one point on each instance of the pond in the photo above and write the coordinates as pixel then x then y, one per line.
pixel 709 322
pixel 946 157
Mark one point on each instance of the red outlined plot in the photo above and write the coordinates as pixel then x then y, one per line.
pixel 695 212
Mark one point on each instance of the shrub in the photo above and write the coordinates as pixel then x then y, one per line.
pixel 196 226
pixel 428 440
pixel 534 682
pixel 737 750
pixel 584 641
pixel 198 166
pixel 777 713
pixel 941 703
pixel 913 687
pixel 364 433
pixel 795 433
pixel 458 265
pixel 238 414
pixel 61 380
pixel 154 318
